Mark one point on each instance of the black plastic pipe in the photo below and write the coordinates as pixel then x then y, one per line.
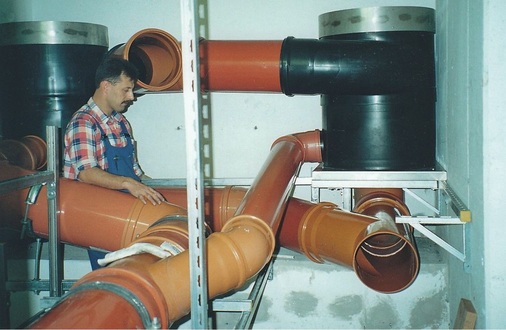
pixel 391 62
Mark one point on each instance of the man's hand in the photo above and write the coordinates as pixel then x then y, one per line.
pixel 137 189
pixel 143 192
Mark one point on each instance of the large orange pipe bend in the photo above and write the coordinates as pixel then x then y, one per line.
pixel 224 65
pixel 383 259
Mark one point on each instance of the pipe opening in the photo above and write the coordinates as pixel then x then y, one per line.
pixel 157 56
pixel 386 262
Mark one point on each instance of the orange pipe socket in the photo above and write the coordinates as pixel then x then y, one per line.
pixel 220 204
pixel 224 65
pixel 157 56
pixel 30 152
pixel 383 259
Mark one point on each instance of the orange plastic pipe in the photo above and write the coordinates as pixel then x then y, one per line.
pixel 235 66
pixel 127 286
pixel 236 254
pixel 382 258
pixel 157 56
pixel 30 152
pixel 220 204
pixel 224 65
pixel 269 192
pixel 90 216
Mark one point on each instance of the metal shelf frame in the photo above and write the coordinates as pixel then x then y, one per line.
pixel 407 180
pixel 49 178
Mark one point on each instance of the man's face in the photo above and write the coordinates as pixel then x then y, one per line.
pixel 120 95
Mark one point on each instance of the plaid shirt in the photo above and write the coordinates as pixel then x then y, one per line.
pixel 84 147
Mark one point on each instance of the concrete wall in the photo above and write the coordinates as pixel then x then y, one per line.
pixel 471 147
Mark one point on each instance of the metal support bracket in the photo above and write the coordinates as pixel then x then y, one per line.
pixel 419 222
pixel 247 307
pixel 458 207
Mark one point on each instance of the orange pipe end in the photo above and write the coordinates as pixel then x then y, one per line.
pixel 157 56
pixel 382 258
pixel 30 152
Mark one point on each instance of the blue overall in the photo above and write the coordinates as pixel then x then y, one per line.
pixel 121 163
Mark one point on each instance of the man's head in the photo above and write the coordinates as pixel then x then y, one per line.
pixel 114 82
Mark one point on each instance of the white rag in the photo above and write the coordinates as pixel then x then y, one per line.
pixel 163 251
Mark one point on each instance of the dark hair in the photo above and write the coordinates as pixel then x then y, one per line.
pixel 110 69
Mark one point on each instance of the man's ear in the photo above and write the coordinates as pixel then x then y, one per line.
pixel 104 86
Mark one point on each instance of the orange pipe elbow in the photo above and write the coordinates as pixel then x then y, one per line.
pixel 277 176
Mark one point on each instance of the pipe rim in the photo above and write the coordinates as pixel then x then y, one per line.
pixel 53 32
pixel 377 19
pixel 375 278
pixel 164 49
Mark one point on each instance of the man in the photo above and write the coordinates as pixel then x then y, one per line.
pixel 98 145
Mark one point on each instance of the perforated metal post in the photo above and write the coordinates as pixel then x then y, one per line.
pixel 55 272
pixel 195 186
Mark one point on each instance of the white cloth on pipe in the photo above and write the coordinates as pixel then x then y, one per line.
pixel 163 251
